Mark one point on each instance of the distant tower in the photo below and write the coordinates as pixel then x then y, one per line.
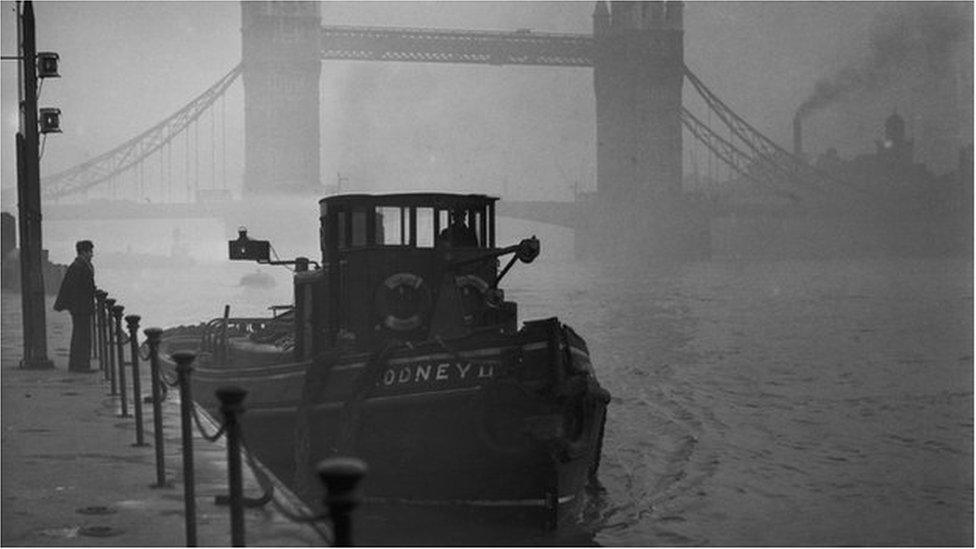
pixel 638 75
pixel 282 64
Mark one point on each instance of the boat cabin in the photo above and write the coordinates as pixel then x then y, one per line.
pixel 409 267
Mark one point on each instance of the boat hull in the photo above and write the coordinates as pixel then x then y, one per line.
pixel 510 425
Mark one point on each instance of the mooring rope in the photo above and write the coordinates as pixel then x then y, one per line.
pixel 268 487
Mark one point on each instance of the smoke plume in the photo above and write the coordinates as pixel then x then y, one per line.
pixel 918 38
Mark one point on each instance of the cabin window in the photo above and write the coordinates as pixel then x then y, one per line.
pixel 341 229
pixel 443 221
pixel 476 223
pixel 424 222
pixel 358 228
pixel 390 226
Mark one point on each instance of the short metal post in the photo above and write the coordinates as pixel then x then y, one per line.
pixel 120 347
pixel 152 339
pixel 94 331
pixel 133 323
pixel 100 316
pixel 341 475
pixel 110 344
pixel 231 408
pixel 184 359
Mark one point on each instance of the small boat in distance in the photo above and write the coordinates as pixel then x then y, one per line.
pixel 401 350
pixel 257 280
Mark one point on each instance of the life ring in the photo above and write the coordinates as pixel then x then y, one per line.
pixel 473 293
pixel 401 300
pixel 472 281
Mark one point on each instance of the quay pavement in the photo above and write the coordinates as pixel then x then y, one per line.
pixel 71 475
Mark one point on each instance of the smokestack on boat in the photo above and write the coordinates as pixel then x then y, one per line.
pixel 797 136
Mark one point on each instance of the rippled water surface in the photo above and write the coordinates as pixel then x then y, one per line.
pixel 780 403
pixel 761 403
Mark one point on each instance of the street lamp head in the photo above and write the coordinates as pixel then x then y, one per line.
pixel 50 120
pixel 47 64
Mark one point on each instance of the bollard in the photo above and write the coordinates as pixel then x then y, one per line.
pixel 152 338
pixel 120 347
pixel 110 344
pixel 184 359
pixel 94 331
pixel 231 408
pixel 340 476
pixel 100 315
pixel 133 323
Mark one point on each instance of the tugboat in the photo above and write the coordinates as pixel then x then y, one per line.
pixel 400 349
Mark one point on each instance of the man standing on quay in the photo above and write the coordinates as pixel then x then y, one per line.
pixel 77 295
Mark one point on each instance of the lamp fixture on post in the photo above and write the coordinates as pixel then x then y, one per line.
pixel 47 65
pixel 50 120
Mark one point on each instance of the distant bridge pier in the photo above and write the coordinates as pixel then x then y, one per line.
pixel 678 229
pixel 281 58
pixel 638 74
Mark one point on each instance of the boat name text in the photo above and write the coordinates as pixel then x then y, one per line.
pixel 437 371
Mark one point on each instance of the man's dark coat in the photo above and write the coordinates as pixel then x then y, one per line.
pixel 77 294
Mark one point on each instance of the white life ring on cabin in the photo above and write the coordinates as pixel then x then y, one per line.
pixel 472 291
pixel 401 301
pixel 471 283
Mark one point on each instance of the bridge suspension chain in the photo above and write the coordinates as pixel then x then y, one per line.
pixel 772 155
pixel 112 163
pixel 743 163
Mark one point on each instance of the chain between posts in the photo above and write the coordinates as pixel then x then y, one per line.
pixel 339 475
pixel 221 429
pixel 265 482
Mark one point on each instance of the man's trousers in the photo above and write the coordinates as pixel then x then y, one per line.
pixel 81 333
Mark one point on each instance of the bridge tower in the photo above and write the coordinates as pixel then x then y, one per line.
pixel 281 67
pixel 637 75
pixel 639 209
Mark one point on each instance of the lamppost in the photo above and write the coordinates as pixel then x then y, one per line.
pixel 32 66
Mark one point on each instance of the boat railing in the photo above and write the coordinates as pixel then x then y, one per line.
pixel 218 331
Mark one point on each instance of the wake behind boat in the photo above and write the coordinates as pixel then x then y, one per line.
pixel 401 349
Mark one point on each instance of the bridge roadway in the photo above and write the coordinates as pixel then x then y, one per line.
pixel 521 47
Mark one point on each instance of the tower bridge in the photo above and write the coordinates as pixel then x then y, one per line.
pixel 635 51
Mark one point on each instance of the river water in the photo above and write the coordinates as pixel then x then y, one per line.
pixel 791 402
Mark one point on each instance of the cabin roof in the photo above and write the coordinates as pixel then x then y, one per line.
pixel 407 200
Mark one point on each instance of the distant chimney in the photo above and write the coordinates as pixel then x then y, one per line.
pixel 797 136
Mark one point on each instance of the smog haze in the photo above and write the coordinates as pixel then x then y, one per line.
pixel 524 131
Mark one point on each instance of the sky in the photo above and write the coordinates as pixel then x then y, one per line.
pixel 527 132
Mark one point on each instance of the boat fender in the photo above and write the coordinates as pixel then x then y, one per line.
pixel 402 300
pixel 582 423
